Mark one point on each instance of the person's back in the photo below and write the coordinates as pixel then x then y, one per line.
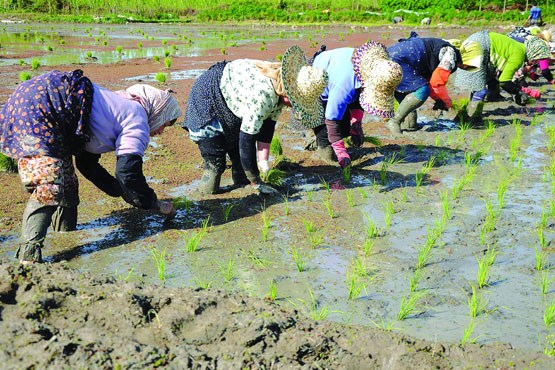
pixel 535 18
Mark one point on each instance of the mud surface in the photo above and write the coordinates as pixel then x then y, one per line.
pixel 323 283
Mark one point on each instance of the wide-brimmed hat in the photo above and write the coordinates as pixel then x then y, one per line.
pixel 303 86
pixel 536 48
pixel 379 76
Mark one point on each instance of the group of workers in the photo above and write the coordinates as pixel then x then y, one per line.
pixel 232 111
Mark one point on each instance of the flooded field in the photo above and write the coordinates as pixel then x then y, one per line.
pixel 445 234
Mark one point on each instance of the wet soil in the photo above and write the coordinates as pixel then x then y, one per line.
pixel 101 302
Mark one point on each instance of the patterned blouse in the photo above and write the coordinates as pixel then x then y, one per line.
pixel 249 95
pixel 47 115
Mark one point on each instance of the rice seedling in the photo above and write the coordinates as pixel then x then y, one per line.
pixel 227 210
pixel 468 330
pixel 309 195
pixel 418 179
pixel 183 203
pixel 430 163
pixel 514 144
pixel 274 177
pixel 119 49
pixel 202 282
pixel 541 259
pixel 160 77
pixel 477 305
pixel 127 277
pixel 156 58
pixel 551 138
pixel 192 242
pixel 444 196
pixel 545 282
pixel 24 76
pixel 358 267
pixel 266 223
pixel 228 270
pixel 458 186
pixel 490 255
pixel 139 45
pixel 35 64
pixel 415 280
pixel 159 258
pixel 482 276
pixel 166 53
pixel 371 228
pixel 326 185
pixel 355 287
pixel 541 237
pixel 286 204
pixel 491 217
pixel 423 256
pixel 257 261
pixel 299 258
pixel 537 119
pixel 317 313
pixel 501 191
pixel 222 51
pixel 387 163
pixel 168 62
pixel 309 225
pixel 549 314
pixel 275 146
pixel 272 291
pixel 368 246
pixel 315 240
pixel 389 211
pixel 350 197
pixel 549 346
pixel 544 218
pixel 408 304
pixel 363 193
pixel 346 174
pixel 329 207
pixel 438 140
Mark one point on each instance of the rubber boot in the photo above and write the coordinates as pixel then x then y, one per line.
pixel 494 92
pixel 406 106
pixel 36 219
pixel 325 154
pixel 474 110
pixel 409 124
pixel 210 181
pixel 237 172
pixel 65 219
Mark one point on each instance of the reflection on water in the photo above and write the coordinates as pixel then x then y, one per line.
pixel 69 43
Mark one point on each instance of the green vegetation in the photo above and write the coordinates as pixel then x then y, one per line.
pixel 286 11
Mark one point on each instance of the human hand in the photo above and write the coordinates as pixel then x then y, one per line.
pixel 531 92
pixel 167 209
pixel 357 134
pixel 440 105
pixel 264 189
pixel 263 166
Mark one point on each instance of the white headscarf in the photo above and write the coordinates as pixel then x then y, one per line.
pixel 160 105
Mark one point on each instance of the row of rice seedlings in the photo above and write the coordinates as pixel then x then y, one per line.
pixel 514 144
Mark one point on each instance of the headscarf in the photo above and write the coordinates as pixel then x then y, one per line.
pixel 160 105
pixel 471 53
pixel 536 48
pixel 272 70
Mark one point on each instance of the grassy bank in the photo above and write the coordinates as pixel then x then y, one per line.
pixel 276 11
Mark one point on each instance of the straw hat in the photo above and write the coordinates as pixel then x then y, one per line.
pixel 379 76
pixel 303 86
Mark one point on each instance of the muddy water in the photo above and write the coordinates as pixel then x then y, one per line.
pixel 233 255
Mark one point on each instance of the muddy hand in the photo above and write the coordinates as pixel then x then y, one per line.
pixel 263 189
pixel 167 209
